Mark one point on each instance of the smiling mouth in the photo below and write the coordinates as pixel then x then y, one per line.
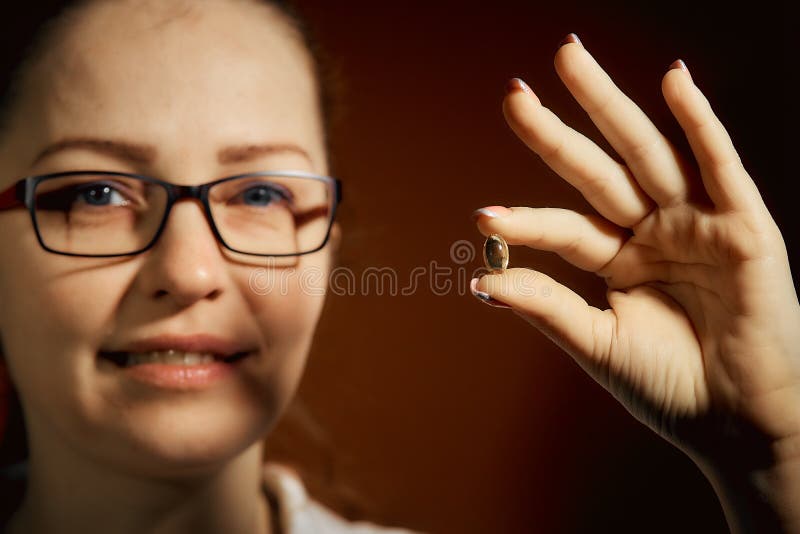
pixel 169 357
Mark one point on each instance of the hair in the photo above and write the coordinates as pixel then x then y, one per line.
pixel 299 440
pixel 27 34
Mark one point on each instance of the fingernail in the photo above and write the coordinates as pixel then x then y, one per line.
pixel 679 64
pixel 571 38
pixel 485 297
pixel 492 212
pixel 517 84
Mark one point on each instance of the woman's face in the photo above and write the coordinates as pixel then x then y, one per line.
pixel 189 82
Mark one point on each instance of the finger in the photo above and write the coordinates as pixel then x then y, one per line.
pixel 606 184
pixel 650 156
pixel 583 331
pixel 588 242
pixel 728 184
pixel 632 270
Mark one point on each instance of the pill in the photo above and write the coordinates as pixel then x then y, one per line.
pixel 495 253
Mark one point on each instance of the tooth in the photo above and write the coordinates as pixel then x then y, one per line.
pixel 171 357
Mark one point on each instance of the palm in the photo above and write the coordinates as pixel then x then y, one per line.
pixel 692 343
pixel 701 334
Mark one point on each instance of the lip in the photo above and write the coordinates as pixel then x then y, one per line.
pixel 201 343
pixel 228 354
pixel 179 377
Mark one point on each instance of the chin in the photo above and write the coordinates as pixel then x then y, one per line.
pixel 171 442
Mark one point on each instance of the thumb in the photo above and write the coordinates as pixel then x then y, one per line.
pixel 583 331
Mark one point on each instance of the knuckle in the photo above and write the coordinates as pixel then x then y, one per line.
pixel 594 186
pixel 574 243
pixel 603 102
pixel 696 124
pixel 572 249
pixel 642 151
pixel 554 149
pixel 731 162
pixel 602 346
pixel 749 237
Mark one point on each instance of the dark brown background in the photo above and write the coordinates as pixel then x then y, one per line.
pixel 447 415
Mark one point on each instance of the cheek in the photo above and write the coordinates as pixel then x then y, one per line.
pixel 71 306
pixel 56 311
pixel 286 304
pixel 44 293
pixel 287 301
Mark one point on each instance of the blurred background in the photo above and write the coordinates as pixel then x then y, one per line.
pixel 440 413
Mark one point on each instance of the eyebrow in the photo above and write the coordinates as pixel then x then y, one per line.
pixel 146 154
pixel 244 153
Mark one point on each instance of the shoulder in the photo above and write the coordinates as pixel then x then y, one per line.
pixel 301 514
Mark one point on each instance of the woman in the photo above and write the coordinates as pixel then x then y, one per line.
pixel 135 423
pixel 148 369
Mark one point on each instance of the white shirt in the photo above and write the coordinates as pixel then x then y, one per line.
pixel 301 514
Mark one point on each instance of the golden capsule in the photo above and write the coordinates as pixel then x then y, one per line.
pixel 495 253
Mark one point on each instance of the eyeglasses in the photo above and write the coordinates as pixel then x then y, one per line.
pixel 108 214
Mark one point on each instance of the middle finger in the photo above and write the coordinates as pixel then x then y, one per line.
pixel 650 156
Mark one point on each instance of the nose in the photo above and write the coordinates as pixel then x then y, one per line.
pixel 186 264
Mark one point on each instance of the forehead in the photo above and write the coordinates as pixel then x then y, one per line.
pixel 185 76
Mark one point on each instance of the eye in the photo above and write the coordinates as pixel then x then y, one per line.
pixel 71 193
pixel 99 194
pixel 263 195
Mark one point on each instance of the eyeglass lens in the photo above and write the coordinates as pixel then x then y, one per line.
pixel 111 214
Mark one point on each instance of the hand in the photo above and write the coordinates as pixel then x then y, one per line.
pixel 702 338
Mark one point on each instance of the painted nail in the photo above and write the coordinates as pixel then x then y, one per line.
pixel 679 64
pixel 571 38
pixel 518 84
pixel 485 297
pixel 493 212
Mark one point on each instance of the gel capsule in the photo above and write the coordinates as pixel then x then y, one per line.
pixel 495 253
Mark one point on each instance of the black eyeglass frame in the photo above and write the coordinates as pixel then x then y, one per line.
pixel 24 190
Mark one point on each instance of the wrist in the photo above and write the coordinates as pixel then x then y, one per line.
pixel 762 498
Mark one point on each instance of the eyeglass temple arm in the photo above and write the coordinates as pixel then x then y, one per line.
pixel 13 197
